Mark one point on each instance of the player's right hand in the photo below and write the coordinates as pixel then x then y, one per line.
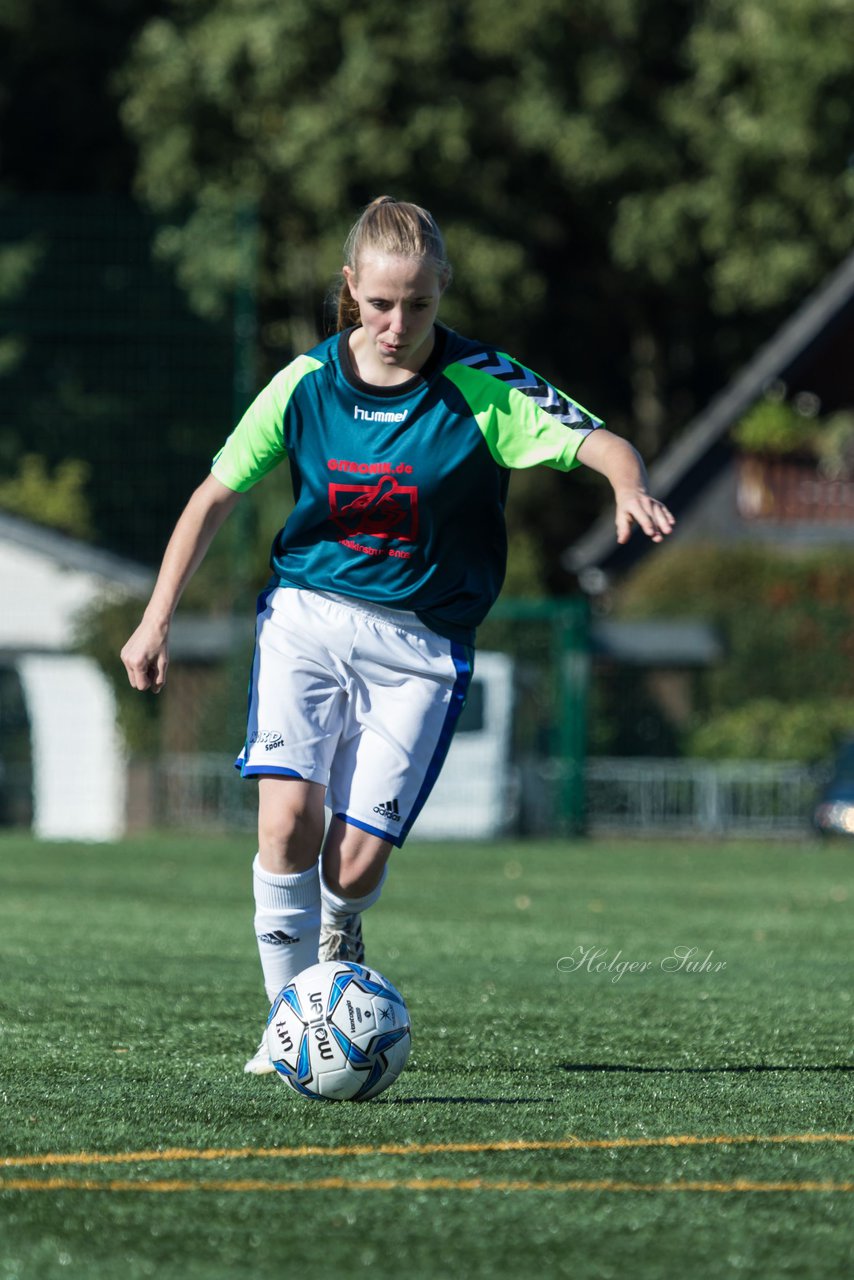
pixel 146 658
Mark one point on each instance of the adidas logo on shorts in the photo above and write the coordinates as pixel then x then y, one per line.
pixel 389 809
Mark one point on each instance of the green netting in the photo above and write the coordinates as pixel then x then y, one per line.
pixel 103 360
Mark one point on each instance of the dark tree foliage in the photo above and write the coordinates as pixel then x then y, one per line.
pixel 635 192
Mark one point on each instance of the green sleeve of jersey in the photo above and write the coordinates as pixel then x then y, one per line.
pixel 257 443
pixel 525 421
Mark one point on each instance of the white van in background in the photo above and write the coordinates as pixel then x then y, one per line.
pixel 477 794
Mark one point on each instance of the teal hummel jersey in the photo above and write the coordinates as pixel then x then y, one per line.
pixel 400 491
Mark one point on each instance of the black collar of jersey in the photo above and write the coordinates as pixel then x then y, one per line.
pixel 424 374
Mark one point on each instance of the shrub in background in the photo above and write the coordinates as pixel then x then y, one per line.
pixel 785 687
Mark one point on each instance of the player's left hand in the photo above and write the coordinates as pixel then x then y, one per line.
pixel 636 507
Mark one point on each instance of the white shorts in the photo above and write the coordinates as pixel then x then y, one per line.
pixel 362 699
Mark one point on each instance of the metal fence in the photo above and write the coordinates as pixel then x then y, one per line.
pixel 699 797
pixel 633 796
pixel 203 793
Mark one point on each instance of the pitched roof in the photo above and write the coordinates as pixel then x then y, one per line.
pixel 72 553
pixel 675 473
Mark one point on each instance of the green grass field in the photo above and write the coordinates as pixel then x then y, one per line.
pixel 561 1115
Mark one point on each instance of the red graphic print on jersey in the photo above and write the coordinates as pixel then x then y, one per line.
pixel 382 510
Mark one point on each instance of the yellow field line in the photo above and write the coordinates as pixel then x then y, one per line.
pixel 410 1184
pixel 171 1154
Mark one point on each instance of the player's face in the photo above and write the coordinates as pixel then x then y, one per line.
pixel 398 299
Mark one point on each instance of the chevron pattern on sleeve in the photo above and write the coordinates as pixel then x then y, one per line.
pixel 541 392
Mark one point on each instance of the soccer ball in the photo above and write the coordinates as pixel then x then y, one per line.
pixel 339 1031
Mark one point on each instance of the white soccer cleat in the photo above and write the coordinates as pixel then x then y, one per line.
pixel 342 941
pixel 259 1064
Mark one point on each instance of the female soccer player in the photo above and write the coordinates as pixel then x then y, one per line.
pixel 400 435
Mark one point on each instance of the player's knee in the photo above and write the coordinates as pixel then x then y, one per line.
pixel 289 838
pixel 352 882
pixel 353 863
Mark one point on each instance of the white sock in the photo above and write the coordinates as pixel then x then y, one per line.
pixel 335 909
pixel 287 924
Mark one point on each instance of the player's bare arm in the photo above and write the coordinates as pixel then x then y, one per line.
pixel 146 654
pixel 621 464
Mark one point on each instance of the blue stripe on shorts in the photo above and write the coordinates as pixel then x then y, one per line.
pixel 463 657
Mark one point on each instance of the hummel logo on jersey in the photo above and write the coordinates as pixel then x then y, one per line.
pixel 379 415
pixel 390 810
pixel 278 938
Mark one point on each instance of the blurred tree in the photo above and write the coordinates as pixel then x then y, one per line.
pixel 58 500
pixel 768 729
pixel 59 127
pixel 614 176
pixel 521 128
pixel 18 262
pixel 94 339
pixel 761 197
pixel 635 191
pixel 108 365
pixel 784 687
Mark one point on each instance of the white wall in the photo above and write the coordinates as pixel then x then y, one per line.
pixel 79 773
pixel 40 599
pixel 79 776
